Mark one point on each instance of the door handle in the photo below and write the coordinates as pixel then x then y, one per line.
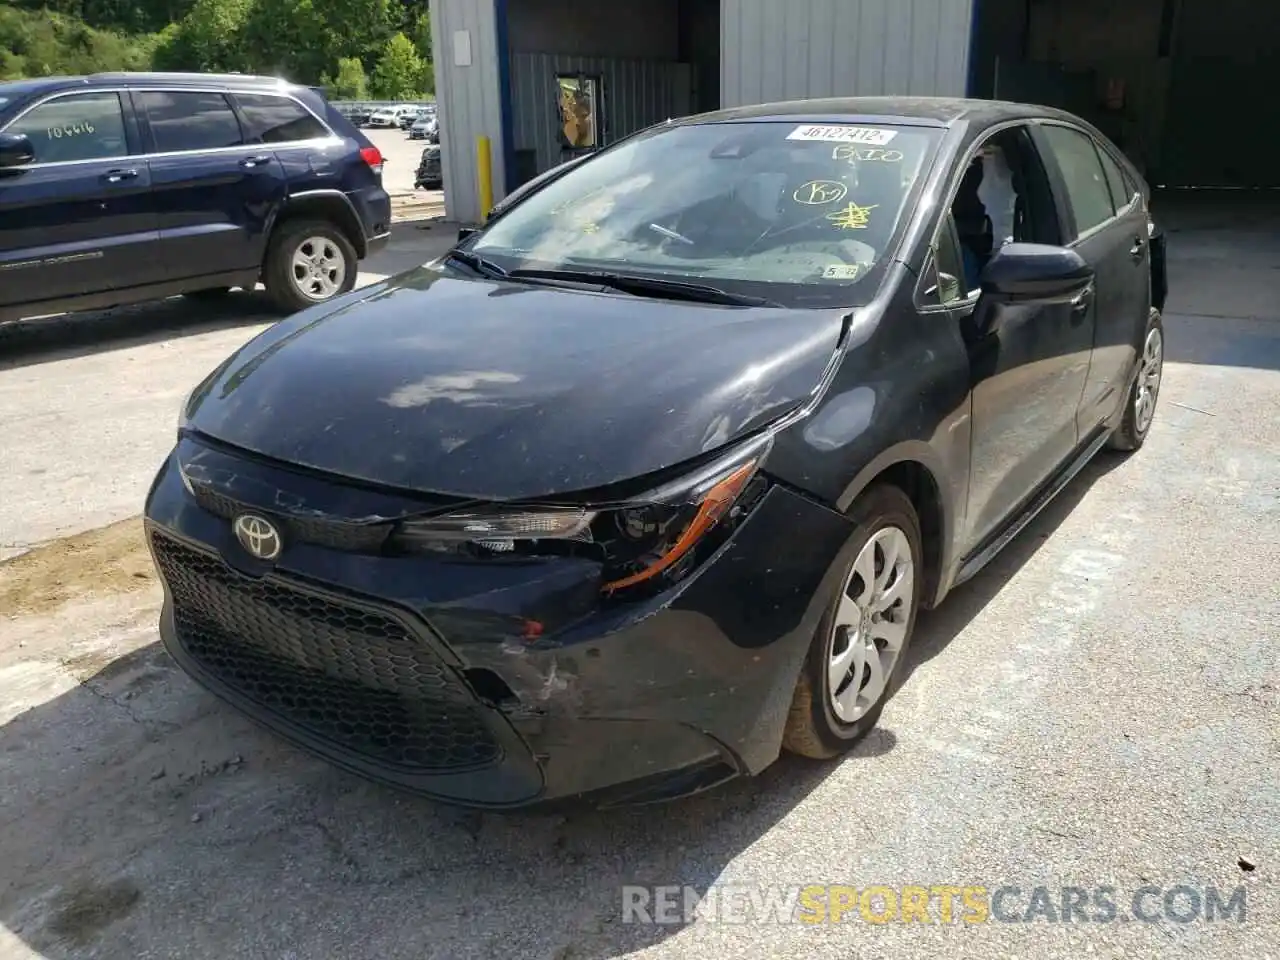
pixel 1081 302
pixel 116 176
pixel 254 161
pixel 1139 246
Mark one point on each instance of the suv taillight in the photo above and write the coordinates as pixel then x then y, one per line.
pixel 373 157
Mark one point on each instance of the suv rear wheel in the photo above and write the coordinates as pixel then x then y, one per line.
pixel 309 262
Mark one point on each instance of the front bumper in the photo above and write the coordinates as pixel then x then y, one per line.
pixel 422 673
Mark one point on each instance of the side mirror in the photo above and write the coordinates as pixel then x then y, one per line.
pixel 948 287
pixel 16 150
pixel 465 233
pixel 1035 273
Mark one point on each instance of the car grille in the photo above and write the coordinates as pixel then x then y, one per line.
pixel 346 674
pixel 334 534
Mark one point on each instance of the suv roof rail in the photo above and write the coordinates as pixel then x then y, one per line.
pixel 183 75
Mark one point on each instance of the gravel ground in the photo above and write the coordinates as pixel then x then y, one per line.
pixel 1096 709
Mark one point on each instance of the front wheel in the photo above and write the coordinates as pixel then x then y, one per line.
pixel 309 262
pixel 855 659
pixel 1140 408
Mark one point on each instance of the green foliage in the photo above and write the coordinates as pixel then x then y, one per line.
pixel 400 72
pixel 350 82
pixel 210 35
pixel 337 43
pixel 50 44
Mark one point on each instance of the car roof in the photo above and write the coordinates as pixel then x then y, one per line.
pixel 21 88
pixel 907 111
pixel 15 89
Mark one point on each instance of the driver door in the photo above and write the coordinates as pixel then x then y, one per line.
pixel 1028 362
pixel 81 218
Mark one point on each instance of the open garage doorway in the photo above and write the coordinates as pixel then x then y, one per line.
pixel 584 74
pixel 1184 87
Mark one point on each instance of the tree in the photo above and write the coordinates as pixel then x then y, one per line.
pixel 286 38
pixel 398 75
pixel 350 82
pixel 422 41
pixel 210 37
pixel 421 35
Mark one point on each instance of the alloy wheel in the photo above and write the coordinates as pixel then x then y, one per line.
pixel 1148 386
pixel 870 625
pixel 319 268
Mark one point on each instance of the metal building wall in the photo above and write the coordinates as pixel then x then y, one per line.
pixel 469 99
pixel 793 49
pixel 637 93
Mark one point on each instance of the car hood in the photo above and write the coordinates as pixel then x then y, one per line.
pixel 466 387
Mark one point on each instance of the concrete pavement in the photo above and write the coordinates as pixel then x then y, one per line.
pixel 1098 709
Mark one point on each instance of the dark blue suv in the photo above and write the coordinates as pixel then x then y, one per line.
pixel 119 188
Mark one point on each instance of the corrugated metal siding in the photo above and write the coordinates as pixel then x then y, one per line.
pixel 469 101
pixel 636 93
pixel 771 50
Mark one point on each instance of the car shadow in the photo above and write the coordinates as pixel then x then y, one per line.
pixel 69 335
pixel 935 629
pixel 142 816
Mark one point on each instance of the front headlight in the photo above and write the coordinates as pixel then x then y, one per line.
pixel 642 543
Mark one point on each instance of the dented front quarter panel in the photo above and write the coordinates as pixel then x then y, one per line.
pixel 710 666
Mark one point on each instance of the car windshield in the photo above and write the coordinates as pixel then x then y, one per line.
pixel 799 214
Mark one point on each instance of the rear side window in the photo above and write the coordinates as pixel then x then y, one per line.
pixel 1086 183
pixel 85 126
pixel 272 119
pixel 1117 182
pixel 190 120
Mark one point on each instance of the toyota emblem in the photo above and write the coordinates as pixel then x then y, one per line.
pixel 258 536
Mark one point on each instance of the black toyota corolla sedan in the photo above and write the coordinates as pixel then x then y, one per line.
pixel 646 480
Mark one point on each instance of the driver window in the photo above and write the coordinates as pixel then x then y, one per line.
pixel 85 126
pixel 1003 198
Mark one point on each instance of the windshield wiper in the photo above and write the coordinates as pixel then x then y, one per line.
pixel 477 263
pixel 647 286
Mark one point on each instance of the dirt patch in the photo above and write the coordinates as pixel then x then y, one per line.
pixel 80 913
pixel 103 562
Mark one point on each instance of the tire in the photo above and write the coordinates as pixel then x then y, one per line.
pixel 1133 429
pixel 293 238
pixel 209 293
pixel 814 728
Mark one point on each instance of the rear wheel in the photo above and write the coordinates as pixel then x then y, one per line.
pixel 1140 410
pixel 309 262
pixel 855 659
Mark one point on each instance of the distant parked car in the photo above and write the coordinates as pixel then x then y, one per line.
pixel 426 127
pixel 121 188
pixel 359 115
pixel 430 175
pixel 385 117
